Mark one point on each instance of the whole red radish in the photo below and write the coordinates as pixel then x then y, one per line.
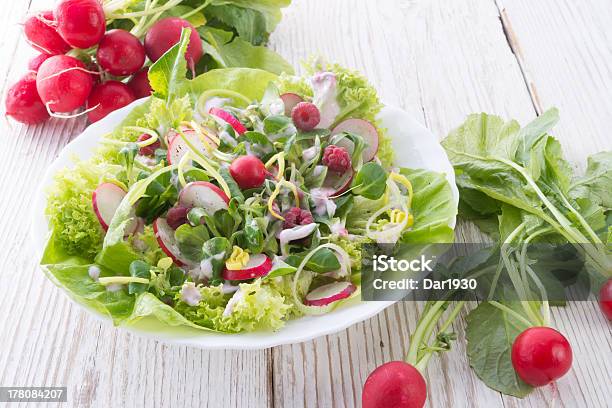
pixel 23 103
pixel 81 23
pixel 108 96
pixel 42 35
pixel 605 299
pixel 63 83
pixel 37 61
pixel 395 384
pixel 164 34
pixel 541 355
pixel 120 53
pixel 248 172
pixel 139 84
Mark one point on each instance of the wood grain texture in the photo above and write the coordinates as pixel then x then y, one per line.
pixel 439 60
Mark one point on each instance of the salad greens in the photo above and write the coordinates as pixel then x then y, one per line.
pixel 237 216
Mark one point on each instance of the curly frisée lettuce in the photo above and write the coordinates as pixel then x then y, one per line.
pixel 188 242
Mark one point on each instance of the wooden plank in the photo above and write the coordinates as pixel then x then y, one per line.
pixel 46 340
pixel 563 49
pixel 440 61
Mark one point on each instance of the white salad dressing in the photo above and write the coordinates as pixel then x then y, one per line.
pixel 325 90
pixel 310 153
pixel 215 102
pixel 339 229
pixel 94 272
pixel 114 287
pixel 229 308
pixel 190 294
pixel 295 233
pixel 227 288
pixel 323 204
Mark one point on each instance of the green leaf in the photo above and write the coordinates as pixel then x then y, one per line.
pixel 235 191
pixel 240 53
pixel 139 269
pixel 190 241
pixel 370 181
pixel 167 74
pixel 323 261
pixel 433 208
pixel 596 182
pixel 251 83
pixel 250 24
pixel 216 250
pixel 490 333
pixel 196 19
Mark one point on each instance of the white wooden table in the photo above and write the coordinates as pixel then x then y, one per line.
pixel 438 59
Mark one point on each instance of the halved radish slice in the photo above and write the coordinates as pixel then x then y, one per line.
pixel 362 128
pixel 326 294
pixel 177 147
pixel 106 199
pixel 165 238
pixel 258 265
pixel 228 118
pixel 338 182
pixel 290 100
pixel 204 195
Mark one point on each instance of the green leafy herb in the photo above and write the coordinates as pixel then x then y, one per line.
pixel 370 182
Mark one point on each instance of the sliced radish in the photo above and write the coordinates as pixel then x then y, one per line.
pixel 228 118
pixel 338 182
pixel 326 294
pixel 258 265
pixel 165 238
pixel 177 146
pixel 290 100
pixel 106 199
pixel 362 128
pixel 204 195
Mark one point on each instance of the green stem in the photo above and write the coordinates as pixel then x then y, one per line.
pixel 506 309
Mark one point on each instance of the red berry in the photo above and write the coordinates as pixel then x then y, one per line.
pixel 395 384
pixel 248 172
pixel 296 216
pixel 150 149
pixel 336 158
pixel 177 216
pixel 541 355
pixel 305 116
pixel 605 299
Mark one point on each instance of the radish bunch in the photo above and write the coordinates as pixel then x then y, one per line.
pixel 81 65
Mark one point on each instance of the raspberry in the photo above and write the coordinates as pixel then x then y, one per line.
pixel 296 216
pixel 150 149
pixel 305 116
pixel 336 158
pixel 177 216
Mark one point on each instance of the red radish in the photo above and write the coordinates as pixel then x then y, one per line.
pixel 106 98
pixel 150 149
pixel 204 195
pixel 248 172
pixel 305 116
pixel 120 53
pixel 177 146
pixel 164 34
pixel 63 83
pixel 37 61
pixel 106 199
pixel 258 265
pixel 165 238
pixel 139 84
pixel 395 384
pixel 326 294
pixel 177 216
pixel 290 100
pixel 81 23
pixel 41 34
pixel 541 355
pixel 229 118
pixel 605 299
pixel 339 182
pixel 23 103
pixel 362 128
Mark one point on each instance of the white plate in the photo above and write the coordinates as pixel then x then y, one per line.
pixel 415 147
